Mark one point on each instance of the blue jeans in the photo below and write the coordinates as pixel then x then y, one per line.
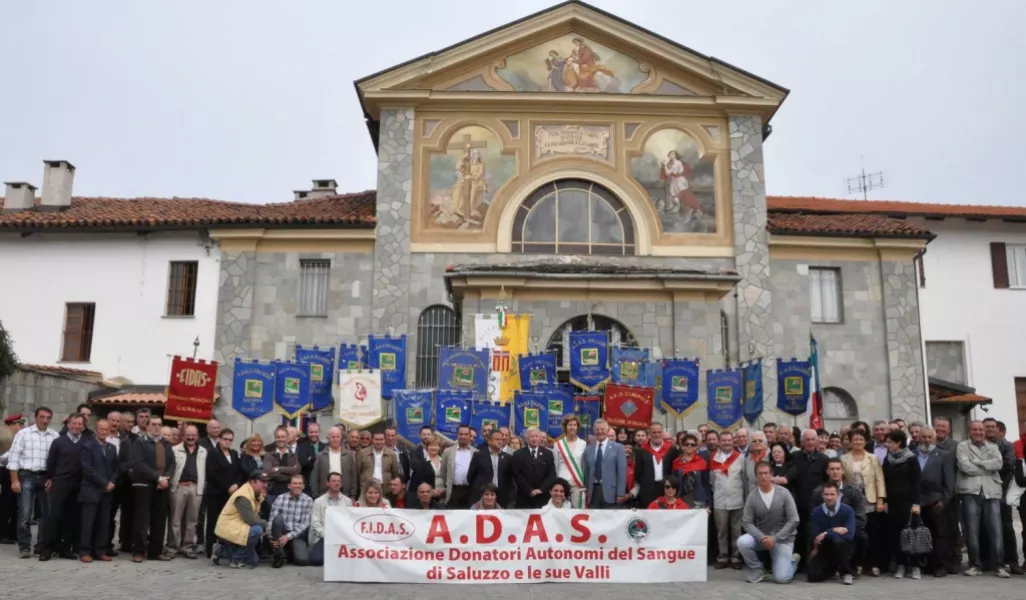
pixel 974 510
pixel 781 554
pixel 244 554
pixel 32 487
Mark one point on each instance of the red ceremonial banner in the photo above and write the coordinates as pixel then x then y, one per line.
pixel 191 391
pixel 628 406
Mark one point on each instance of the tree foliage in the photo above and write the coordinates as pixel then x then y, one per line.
pixel 8 359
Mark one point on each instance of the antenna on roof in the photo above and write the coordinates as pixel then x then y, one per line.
pixel 865 182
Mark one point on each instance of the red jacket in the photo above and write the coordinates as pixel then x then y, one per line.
pixel 660 502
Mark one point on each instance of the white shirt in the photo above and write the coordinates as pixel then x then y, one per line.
pixel 377 464
pixel 495 469
pixel 334 461
pixel 658 464
pixel 29 449
pixel 767 497
pixel 115 441
pixel 721 456
pixel 462 460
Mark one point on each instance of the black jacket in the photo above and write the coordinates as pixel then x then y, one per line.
pixel 144 461
pixel 644 474
pixel 903 482
pixel 533 474
pixel 805 473
pixel 307 452
pixel 64 462
pixel 480 473
pixel 937 483
pixel 424 472
pixel 222 474
pixel 405 464
pixel 99 468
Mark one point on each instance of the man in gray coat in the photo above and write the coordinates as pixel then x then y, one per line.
pixel 770 521
pixel 607 469
pixel 978 485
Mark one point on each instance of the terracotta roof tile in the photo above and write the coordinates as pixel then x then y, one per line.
pixel 963 399
pixel 144 398
pixel 352 210
pixel 63 371
pixel 891 208
pixel 844 225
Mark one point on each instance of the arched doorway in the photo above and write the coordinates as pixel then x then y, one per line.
pixel 839 408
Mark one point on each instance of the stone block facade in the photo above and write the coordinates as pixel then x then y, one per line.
pixel 946 360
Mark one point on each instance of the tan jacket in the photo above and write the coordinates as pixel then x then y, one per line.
pixel 872 477
pixel 449 467
pixel 322 468
pixel 365 466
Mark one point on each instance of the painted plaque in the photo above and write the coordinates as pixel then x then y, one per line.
pixel 572 63
pixel 464 179
pixel 590 141
pixel 680 184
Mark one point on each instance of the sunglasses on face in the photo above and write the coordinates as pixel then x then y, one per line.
pixel 668 487
pixel 690 444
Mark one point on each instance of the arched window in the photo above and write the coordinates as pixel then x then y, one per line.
pixel 838 405
pixel 560 339
pixel 573 216
pixel 437 326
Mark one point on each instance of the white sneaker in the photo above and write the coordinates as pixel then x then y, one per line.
pixel 971 572
pixel 916 573
pixel 899 573
pixel 847 580
pixel 1003 573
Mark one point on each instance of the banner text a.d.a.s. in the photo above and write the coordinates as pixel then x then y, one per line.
pixel 548 545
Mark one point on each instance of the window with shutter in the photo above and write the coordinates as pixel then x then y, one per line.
pixel 78 332
pixel 999 264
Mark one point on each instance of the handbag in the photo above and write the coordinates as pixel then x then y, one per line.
pixel 915 538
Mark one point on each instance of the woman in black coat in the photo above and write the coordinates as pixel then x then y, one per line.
pixel 224 475
pixel 427 471
pixel 901 476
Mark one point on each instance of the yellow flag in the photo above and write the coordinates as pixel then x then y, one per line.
pixel 518 335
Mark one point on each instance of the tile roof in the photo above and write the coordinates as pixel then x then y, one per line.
pixel 351 210
pixel 972 399
pixel 843 225
pixel 811 204
pixel 60 371
pixel 144 398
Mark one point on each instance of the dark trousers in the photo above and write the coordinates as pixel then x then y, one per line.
pixel 897 519
pixel 713 537
pixel 95 521
pixel 214 505
pixel 150 522
pixel 126 526
pixel 833 556
pixel 1022 519
pixel 858 557
pixel 296 549
pixel 802 542
pixel 8 508
pixel 60 531
pixel 1008 535
pixel 954 513
pixel 939 524
pixel 879 554
pixel 317 554
pixel 459 498
pixel 201 525
pixel 32 494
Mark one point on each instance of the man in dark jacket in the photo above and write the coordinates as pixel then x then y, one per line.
pixel 851 496
pixel 122 499
pixel 806 471
pixel 534 470
pixel 63 477
pixel 306 451
pixel 937 487
pixel 153 464
pixel 482 470
pixel 99 478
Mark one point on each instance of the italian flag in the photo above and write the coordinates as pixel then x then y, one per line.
pixel 816 399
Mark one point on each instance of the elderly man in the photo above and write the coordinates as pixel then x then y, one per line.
pixel 187 486
pixel 978 485
pixel 727 479
pixel 334 458
pixel 741 441
pixel 153 464
pixel 606 469
pixel 534 470
pixel 937 486
pixel 806 472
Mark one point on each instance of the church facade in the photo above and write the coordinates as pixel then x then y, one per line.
pixel 590 174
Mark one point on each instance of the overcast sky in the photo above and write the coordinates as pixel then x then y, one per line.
pixel 248 100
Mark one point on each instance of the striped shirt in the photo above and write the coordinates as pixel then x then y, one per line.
pixel 295 513
pixel 30 448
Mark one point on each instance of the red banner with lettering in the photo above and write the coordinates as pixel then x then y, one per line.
pixel 191 391
pixel 629 406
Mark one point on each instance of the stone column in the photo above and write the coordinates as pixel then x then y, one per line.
pixel 751 249
pixel 233 336
pixel 696 333
pixel 904 337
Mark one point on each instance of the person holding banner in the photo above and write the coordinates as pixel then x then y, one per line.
pixel 606 469
pixel 559 494
pixel 569 454
pixel 669 499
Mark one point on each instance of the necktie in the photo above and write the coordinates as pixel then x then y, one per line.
pixel 534 453
pixel 598 463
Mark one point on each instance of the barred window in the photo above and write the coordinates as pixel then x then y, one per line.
pixel 181 288
pixel 438 326
pixel 313 287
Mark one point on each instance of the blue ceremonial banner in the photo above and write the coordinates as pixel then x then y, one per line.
pixel 532 410
pixel 537 369
pixel 483 413
pixel 751 374
pixel 253 388
pixel 680 386
pixel 322 373
pixel 413 409
pixel 460 369
pixel 588 409
pixel 793 386
pixel 628 365
pixel 292 388
pixel 352 357
pixel 589 359
pixel 452 409
pixel 389 355
pixel 724 397
pixel 560 400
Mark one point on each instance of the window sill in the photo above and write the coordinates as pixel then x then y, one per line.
pixel 73 362
pixel 311 316
pixel 178 317
pixel 827 322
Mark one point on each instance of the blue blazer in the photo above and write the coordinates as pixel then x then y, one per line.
pixel 614 470
pixel 99 467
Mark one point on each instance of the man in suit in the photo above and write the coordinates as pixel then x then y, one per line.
pixel 100 472
pixel 152 465
pixel 335 458
pixel 60 532
pixel 307 450
pixel 806 471
pixel 651 465
pixel 534 470
pixel 937 486
pixel 377 464
pixel 607 469
pixel 122 500
pixel 420 451
pixel 455 465
pixel 491 466
pixel 391 442
pixel 485 431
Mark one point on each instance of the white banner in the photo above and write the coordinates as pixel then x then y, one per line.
pixel 486 329
pixel 359 397
pixel 515 546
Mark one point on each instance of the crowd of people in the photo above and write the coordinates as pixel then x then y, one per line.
pixel 833 505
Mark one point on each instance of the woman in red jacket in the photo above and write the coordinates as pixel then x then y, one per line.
pixel 669 499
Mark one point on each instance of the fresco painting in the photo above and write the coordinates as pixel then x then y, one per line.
pixel 573 64
pixel 464 179
pixel 680 184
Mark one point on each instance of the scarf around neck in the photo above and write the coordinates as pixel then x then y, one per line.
pixel 899 457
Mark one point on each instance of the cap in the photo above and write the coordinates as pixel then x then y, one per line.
pixel 260 475
pixel 14 419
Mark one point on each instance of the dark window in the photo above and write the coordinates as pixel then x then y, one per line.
pixel 313 287
pixel 78 332
pixel 573 216
pixel 560 339
pixel 181 289
pixel 725 334
pixel 437 327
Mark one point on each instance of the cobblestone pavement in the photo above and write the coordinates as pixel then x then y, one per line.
pixel 64 579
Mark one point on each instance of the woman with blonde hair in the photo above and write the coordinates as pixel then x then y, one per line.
pixel 252 455
pixel 515 444
pixel 373 497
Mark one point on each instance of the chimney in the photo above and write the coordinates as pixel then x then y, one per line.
pixel 58 175
pixel 323 187
pixel 301 195
pixel 19 196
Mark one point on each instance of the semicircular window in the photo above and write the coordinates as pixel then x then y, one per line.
pixel 573 216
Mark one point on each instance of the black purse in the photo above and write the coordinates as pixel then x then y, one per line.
pixel 915 538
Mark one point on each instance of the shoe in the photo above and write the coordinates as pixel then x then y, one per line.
pixel 190 555
pixel 1016 570
pixel 847 580
pixel 24 554
pixel 917 573
pixel 972 572
pixel 721 564
pixel 44 557
pixel 278 562
pixel 165 557
pixel 899 573
pixel 68 555
pixel 138 558
pixel 858 572
pixel 875 571
pixel 1003 573
pixel 735 565
pixel 86 558
pixel 940 573
pixel 235 565
pixel 8 542
pixel 758 576
pixel 104 558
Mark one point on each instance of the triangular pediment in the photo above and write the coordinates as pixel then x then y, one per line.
pixel 569 49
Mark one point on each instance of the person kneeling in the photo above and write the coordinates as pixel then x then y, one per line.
pixel 832 527
pixel 290 520
pixel 333 497
pixel 239 525
pixel 770 521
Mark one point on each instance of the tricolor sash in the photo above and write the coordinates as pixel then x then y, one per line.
pixel 576 475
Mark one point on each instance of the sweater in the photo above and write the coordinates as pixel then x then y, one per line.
pixel 822 522
pixel 779 521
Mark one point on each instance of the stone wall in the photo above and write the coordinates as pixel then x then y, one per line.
pixel 25 391
pixel 946 360
pixel 904 339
